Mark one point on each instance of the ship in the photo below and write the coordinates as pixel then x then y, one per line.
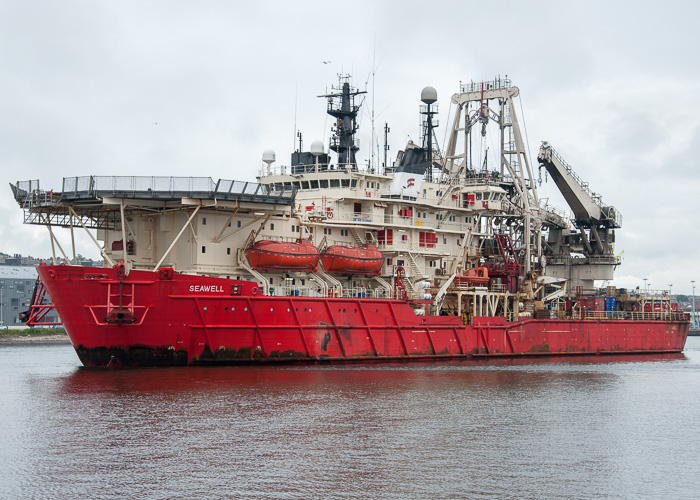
pixel 440 254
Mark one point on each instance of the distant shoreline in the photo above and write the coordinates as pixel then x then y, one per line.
pixel 35 339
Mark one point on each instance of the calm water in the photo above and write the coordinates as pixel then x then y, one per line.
pixel 587 428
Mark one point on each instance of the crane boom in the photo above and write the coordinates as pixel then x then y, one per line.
pixel 589 210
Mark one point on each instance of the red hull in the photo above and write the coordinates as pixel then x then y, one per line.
pixel 294 256
pixel 341 259
pixel 174 319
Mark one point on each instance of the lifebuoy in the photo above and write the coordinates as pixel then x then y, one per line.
pixel 329 215
pixel 255 291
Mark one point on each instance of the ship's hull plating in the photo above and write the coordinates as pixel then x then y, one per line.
pixel 183 320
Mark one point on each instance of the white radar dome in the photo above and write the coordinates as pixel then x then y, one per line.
pixel 428 95
pixel 317 148
pixel 269 156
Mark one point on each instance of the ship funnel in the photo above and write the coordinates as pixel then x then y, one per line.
pixel 428 95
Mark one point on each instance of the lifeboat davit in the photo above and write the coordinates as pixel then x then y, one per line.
pixel 286 255
pixel 473 277
pixel 341 259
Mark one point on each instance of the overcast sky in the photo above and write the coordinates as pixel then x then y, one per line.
pixel 203 88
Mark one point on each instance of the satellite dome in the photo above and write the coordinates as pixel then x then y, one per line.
pixel 317 148
pixel 428 95
pixel 269 156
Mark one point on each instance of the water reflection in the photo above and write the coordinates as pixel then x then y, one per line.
pixel 545 428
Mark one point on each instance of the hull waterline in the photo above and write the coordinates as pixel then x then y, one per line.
pixel 190 320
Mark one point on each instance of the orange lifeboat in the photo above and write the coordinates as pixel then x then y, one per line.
pixel 473 277
pixel 284 255
pixel 342 259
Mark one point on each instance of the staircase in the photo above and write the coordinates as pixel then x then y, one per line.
pixel 417 272
pixel 356 235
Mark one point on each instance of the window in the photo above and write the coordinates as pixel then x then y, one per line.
pixel 304 184
pixel 426 239
pixel 228 251
pixel 354 183
pixel 239 223
pixel 204 221
pixel 204 249
pixel 314 184
pixel 346 182
pixel 385 237
pixel 389 261
pixel 272 227
pixel 335 183
pixel 324 183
